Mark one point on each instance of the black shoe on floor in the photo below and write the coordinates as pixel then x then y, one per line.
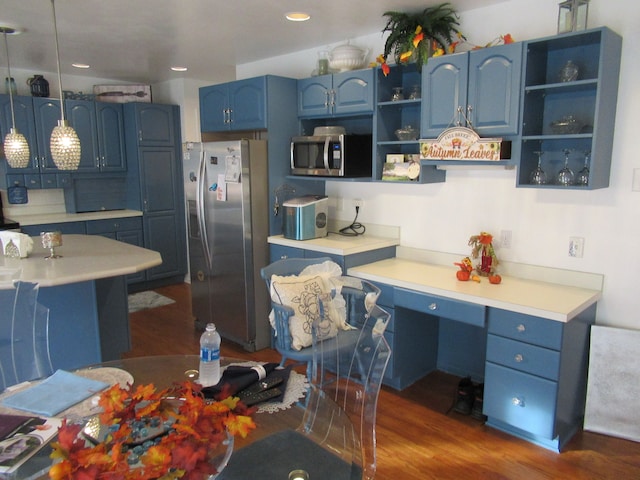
pixel 464 397
pixel 476 410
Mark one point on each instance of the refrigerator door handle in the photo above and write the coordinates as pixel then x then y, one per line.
pixel 202 222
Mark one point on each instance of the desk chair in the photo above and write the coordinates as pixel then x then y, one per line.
pixel 337 437
pixel 283 313
pixel 24 335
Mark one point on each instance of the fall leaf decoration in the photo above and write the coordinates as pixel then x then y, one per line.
pixel 197 426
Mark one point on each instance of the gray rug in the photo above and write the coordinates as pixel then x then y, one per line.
pixel 150 299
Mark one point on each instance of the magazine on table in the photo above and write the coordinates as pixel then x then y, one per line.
pixel 21 437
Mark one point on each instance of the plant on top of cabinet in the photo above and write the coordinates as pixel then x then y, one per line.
pixel 568 108
pixel 415 36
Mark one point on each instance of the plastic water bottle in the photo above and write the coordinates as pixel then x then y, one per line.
pixel 209 356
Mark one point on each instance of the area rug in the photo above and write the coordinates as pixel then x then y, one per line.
pixel 149 299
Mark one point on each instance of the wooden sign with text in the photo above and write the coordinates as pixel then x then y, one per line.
pixel 461 143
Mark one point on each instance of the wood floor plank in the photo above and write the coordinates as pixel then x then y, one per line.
pixel 418 437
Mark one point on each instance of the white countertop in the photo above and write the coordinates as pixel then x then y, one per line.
pixel 338 244
pixel 84 257
pixel 73 217
pixel 531 297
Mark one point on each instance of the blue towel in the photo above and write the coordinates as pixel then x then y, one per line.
pixel 55 394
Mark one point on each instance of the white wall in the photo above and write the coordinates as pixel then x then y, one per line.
pixel 443 216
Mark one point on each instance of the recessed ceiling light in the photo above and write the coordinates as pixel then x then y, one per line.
pixel 80 65
pixel 298 16
pixel 179 69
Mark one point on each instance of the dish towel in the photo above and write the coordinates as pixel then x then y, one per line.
pixel 55 394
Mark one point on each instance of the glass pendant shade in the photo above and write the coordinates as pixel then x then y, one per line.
pixel 16 149
pixel 65 147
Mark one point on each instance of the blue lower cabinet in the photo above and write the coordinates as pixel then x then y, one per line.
pixel 66 227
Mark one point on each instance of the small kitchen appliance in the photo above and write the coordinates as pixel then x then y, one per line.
pixel 305 217
pixel 332 155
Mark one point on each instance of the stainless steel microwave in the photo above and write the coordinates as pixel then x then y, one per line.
pixel 346 155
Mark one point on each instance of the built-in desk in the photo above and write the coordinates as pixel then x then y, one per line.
pixel 526 339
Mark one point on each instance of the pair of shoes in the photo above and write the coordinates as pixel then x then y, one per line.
pixel 464 396
pixel 476 410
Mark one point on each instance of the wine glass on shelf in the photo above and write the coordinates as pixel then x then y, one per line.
pixel 565 176
pixel 538 175
pixel 583 175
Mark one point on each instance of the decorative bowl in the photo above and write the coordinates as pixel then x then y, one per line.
pixel 407 133
pixel 347 57
pixel 566 125
pixel 329 130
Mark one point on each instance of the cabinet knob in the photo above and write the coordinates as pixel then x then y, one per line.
pixel 517 401
pixel 139 135
pixel 521 328
pixel 327 95
pixel 433 306
pixel 518 358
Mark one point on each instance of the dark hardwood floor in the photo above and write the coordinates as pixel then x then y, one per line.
pixel 417 437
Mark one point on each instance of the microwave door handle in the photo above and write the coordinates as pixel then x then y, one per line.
pixel 201 211
pixel 326 153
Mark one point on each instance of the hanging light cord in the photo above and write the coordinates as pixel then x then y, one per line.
pixel 355 229
pixel 6 47
pixel 55 29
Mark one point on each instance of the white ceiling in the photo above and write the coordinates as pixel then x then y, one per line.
pixel 138 40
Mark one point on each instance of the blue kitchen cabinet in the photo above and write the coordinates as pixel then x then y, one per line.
pixel 47 115
pixel 484 84
pixel 536 375
pixel 344 93
pixel 100 127
pixel 278 252
pixel 237 105
pixel 154 185
pixel 65 227
pixel 588 95
pixel 25 124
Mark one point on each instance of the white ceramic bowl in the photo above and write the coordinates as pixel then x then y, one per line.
pixel 347 57
pixel 329 130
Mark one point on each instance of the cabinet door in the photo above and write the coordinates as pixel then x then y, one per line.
pixel 494 89
pixel 132 237
pixel 47 114
pixel 444 89
pixel 314 96
pixel 247 102
pixel 214 105
pixel 81 115
pixel 25 124
pixel 110 126
pixel 353 92
pixel 155 124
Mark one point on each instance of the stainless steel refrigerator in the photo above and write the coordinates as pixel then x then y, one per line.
pixel 226 189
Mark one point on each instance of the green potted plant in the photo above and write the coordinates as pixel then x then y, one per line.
pixel 417 36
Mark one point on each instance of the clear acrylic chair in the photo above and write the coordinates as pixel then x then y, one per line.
pixel 337 437
pixel 24 335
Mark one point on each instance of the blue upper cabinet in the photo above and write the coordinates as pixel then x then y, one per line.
pixel 100 127
pixel 47 115
pixel 345 93
pixel 155 124
pixel 484 84
pixel 238 105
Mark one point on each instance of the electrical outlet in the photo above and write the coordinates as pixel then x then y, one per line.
pixel 505 239
pixel 357 202
pixel 576 247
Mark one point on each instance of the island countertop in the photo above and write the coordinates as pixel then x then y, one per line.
pixel 84 257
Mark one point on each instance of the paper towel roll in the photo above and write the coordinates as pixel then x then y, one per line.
pixel 15 244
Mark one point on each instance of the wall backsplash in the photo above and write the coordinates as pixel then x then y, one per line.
pixel 40 202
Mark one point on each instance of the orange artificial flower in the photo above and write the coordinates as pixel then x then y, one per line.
pixel 418 36
pixel 507 39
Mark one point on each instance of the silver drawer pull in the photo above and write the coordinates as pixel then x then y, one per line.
pixel 518 358
pixel 521 328
pixel 433 306
pixel 518 401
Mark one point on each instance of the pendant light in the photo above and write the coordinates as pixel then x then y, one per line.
pixel 16 148
pixel 65 144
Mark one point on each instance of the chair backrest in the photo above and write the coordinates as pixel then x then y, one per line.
pixel 352 379
pixel 24 335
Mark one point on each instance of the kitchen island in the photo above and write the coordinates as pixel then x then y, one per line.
pixel 86 293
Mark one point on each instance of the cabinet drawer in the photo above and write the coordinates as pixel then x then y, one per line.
pixel 96 227
pixel 523 356
pixel 441 307
pixel 525 328
pixel 519 399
